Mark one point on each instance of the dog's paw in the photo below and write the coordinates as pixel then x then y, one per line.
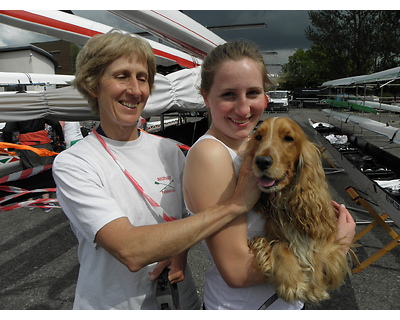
pixel 301 292
pixel 262 255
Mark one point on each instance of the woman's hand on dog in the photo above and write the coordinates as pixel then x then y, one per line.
pixel 346 225
pixel 247 191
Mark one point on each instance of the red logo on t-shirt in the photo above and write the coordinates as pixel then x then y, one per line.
pixel 167 184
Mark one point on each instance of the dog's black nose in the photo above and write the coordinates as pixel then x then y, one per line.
pixel 264 162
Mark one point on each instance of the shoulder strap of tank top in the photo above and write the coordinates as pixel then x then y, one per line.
pixel 270 301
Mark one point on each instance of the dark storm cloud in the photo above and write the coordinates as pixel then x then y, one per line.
pixel 285 28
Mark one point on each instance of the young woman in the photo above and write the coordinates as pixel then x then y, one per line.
pixel 234 81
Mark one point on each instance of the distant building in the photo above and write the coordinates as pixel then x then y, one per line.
pixel 63 52
pixel 29 59
pixel 26 59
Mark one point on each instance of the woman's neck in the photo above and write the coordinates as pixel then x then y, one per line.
pixel 234 144
pixel 119 134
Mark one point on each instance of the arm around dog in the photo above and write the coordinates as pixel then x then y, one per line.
pixel 137 247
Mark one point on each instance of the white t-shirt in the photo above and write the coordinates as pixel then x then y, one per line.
pixel 217 294
pixel 93 191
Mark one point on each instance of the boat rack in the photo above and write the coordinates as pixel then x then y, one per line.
pixel 379 220
pixel 358 158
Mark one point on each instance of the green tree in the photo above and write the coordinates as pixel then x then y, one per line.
pixel 346 43
pixel 74 53
pixel 300 71
pixel 388 30
pixel 363 41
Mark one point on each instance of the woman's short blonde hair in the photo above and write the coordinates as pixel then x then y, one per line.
pixel 233 50
pixel 102 50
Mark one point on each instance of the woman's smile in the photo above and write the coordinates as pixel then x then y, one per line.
pixel 240 121
pixel 129 105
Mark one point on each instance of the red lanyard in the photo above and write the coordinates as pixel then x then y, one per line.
pixel 150 200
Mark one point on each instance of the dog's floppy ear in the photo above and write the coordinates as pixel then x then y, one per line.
pixel 309 166
pixel 310 192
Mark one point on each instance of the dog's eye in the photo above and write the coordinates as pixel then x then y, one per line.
pixel 288 138
pixel 258 137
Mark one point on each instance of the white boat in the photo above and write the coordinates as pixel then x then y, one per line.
pixel 378 105
pixel 373 168
pixel 392 133
pixel 78 30
pixel 382 76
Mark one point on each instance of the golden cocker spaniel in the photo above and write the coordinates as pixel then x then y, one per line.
pixel 298 254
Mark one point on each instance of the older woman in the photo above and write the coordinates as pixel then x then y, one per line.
pixel 118 185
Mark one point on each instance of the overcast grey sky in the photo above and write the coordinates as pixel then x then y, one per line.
pixel 284 32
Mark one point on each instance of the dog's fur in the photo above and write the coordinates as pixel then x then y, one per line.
pixel 298 254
